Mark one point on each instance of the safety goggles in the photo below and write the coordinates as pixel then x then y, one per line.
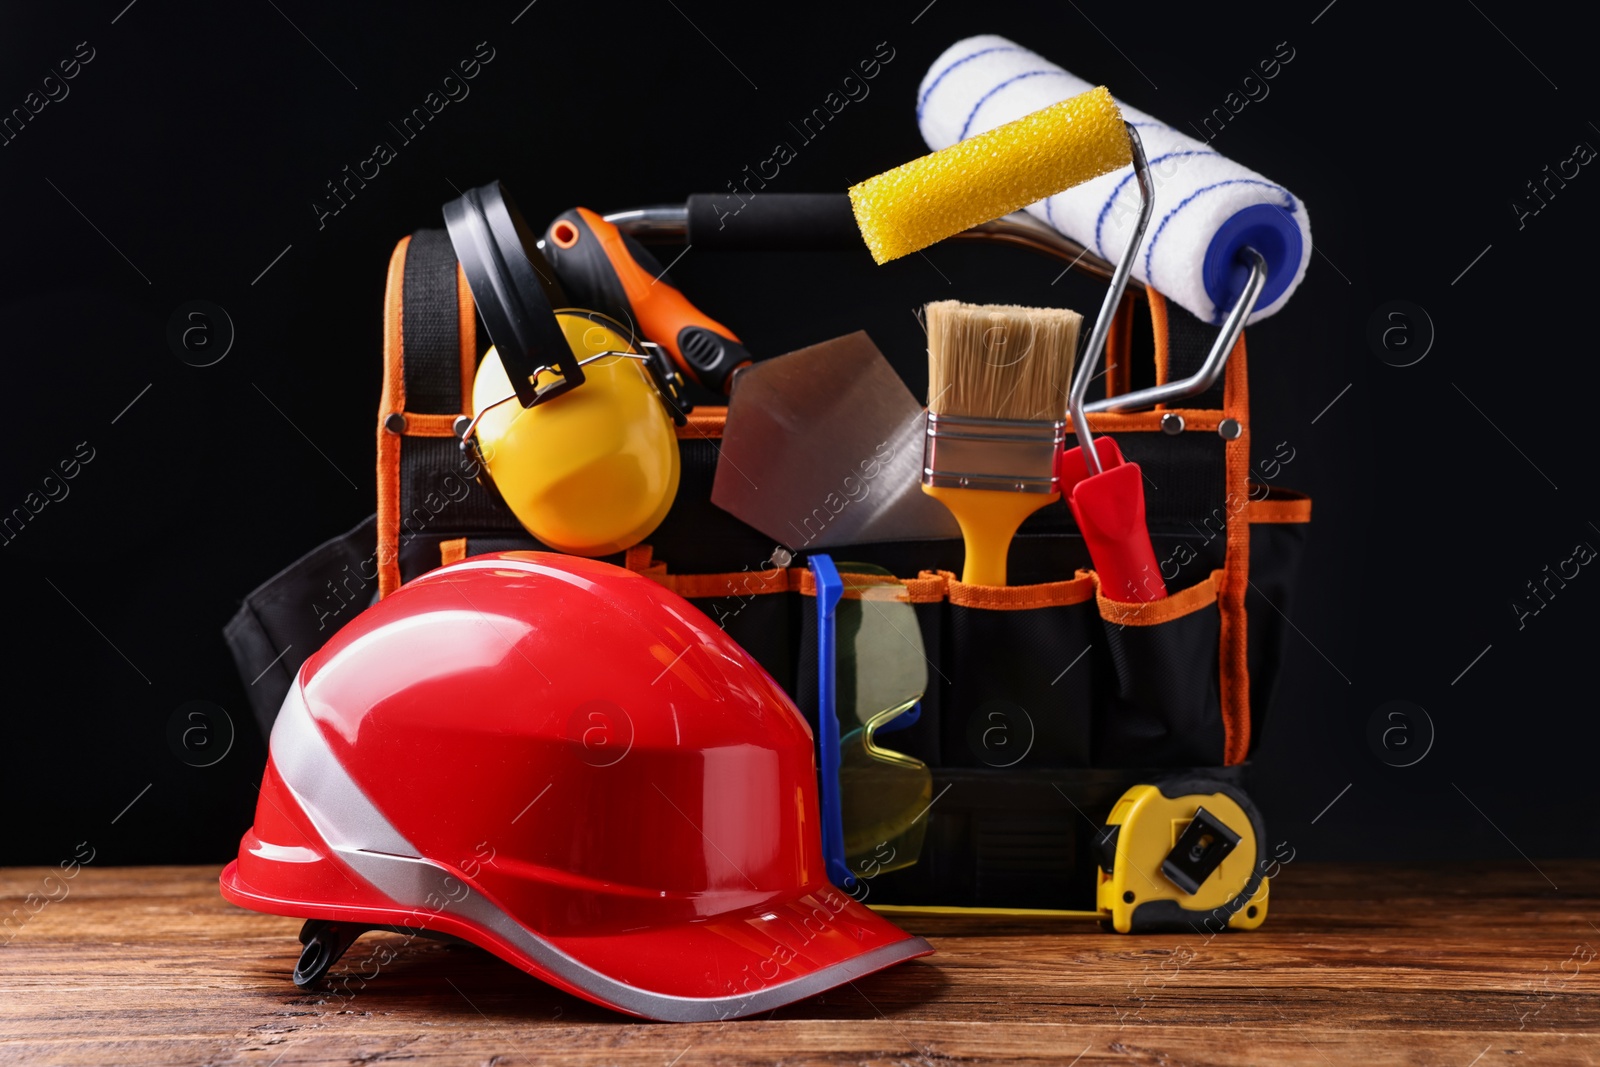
pixel 871 673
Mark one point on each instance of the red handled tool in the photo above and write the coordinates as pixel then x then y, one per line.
pixel 1109 509
pixel 603 268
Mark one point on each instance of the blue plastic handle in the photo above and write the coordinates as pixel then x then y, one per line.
pixel 830 588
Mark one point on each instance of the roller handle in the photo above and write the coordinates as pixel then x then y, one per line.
pixel 1109 509
pixel 783 221
pixel 602 268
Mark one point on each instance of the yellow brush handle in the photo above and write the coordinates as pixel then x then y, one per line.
pixel 988 519
pixel 912 206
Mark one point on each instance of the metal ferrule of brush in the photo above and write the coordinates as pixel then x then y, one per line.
pixel 1009 455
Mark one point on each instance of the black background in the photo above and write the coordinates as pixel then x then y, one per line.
pixel 191 148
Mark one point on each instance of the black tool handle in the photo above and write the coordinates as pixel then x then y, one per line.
pixel 783 221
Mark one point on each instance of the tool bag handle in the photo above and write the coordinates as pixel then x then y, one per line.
pixel 769 221
pixel 795 221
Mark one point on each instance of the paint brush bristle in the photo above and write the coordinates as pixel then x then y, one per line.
pixel 1000 361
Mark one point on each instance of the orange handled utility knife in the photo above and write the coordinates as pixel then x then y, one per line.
pixel 604 269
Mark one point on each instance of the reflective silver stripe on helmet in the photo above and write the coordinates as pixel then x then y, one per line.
pixel 337 807
pixel 369 844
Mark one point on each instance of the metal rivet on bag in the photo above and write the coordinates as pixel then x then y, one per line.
pixel 1172 423
pixel 1229 429
pixel 459 427
pixel 395 423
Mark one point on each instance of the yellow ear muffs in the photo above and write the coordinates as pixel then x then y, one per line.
pixel 594 470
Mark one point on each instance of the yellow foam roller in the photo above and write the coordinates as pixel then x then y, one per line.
pixel 979 179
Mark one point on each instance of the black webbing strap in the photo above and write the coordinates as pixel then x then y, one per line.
pixel 440 490
pixel 1185 479
pixel 1188 342
pixel 431 326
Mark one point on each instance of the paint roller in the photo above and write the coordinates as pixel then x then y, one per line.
pixel 1208 208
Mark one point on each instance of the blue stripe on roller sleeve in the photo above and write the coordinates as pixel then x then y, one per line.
pixel 1100 222
pixel 1016 78
pixel 922 104
pixel 1268 228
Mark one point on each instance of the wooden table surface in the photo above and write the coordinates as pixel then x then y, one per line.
pixel 1467 966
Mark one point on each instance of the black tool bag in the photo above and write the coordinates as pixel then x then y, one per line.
pixel 1046 700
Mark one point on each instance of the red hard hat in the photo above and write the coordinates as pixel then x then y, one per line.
pixel 564 763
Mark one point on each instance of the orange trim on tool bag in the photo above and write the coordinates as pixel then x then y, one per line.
pixel 1158 325
pixel 1281 505
pixel 708 586
pixel 1234 673
pixel 927 589
pixel 467 326
pixel 1018 597
pixel 1194 419
pixel 638 559
pixel 1155 612
pixel 920 590
pixel 418 425
pixel 930 587
pixel 392 400
pixel 733 583
pixel 452 551
pixel 704 421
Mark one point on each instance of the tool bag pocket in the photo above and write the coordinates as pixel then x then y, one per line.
pixel 1011 675
pixel 1279 524
pixel 1051 676
pixel 1155 688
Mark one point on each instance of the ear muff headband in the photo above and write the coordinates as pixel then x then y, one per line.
pixel 515 290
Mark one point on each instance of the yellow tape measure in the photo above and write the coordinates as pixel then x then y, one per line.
pixel 1184 855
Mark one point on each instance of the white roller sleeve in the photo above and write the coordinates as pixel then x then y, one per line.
pixel 1204 202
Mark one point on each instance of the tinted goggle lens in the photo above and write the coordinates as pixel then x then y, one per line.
pixel 882 675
